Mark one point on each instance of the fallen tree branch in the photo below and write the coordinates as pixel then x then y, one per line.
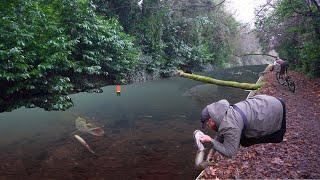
pixel 210 80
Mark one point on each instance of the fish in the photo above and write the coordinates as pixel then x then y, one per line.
pixel 199 158
pixel 200 163
pixel 83 126
pixel 197 134
pixel 97 131
pixel 83 142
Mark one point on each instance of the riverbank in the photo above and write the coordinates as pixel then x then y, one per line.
pixel 298 155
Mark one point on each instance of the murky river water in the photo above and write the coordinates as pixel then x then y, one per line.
pixel 148 131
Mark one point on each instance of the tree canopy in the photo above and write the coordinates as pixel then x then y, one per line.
pixel 47 46
pixel 292 27
pixel 54 47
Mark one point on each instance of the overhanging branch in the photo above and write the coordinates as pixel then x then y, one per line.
pixel 205 79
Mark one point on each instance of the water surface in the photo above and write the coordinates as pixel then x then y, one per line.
pixel 148 131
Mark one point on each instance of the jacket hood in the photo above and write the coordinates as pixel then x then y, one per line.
pixel 218 110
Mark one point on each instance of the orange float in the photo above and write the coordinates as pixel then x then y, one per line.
pixel 118 90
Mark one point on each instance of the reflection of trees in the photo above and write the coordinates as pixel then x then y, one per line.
pixel 54 101
pixel 47 102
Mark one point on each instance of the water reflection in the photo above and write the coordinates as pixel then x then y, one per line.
pixel 148 131
pixel 47 102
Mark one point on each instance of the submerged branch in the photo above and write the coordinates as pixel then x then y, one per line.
pixel 210 80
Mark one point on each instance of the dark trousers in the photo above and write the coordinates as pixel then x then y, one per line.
pixel 284 68
pixel 275 137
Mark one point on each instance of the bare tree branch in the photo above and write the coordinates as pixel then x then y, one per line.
pixel 256 54
pixel 264 6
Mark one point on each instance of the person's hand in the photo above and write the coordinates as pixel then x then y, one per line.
pixel 205 138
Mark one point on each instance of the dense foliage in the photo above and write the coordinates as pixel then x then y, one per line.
pixel 55 47
pixel 292 27
pixel 175 34
pixel 47 45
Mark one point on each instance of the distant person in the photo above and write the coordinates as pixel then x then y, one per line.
pixel 281 66
pixel 259 119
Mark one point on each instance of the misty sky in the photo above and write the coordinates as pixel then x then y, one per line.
pixel 243 10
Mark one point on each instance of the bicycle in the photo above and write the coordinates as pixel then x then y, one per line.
pixel 285 80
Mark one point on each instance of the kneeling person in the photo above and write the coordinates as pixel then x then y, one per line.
pixel 259 119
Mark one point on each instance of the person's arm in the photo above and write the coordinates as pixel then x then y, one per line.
pixel 230 145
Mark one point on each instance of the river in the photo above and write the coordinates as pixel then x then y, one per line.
pixel 148 131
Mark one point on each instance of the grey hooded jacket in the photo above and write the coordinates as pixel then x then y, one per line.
pixel 264 114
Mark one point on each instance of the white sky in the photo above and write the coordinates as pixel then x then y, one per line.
pixel 243 10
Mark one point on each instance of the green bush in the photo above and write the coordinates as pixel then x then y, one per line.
pixel 45 45
pixel 294 27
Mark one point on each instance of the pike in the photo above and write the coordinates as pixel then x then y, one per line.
pixel 199 160
pixel 83 142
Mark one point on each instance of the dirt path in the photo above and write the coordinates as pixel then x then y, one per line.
pixel 299 155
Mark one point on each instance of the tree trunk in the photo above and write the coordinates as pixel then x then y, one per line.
pixel 210 80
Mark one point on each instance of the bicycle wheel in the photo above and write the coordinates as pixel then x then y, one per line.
pixel 280 78
pixel 291 84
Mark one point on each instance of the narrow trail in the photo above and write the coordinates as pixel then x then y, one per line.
pixel 298 156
